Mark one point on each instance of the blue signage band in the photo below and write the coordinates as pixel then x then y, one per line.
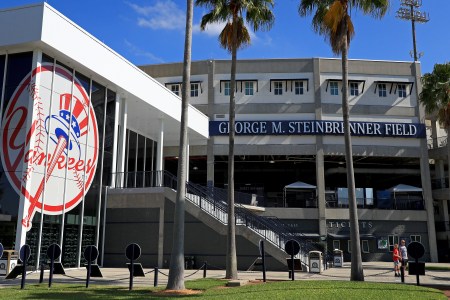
pixel 319 127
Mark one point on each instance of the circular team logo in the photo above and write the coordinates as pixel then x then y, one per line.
pixel 49 142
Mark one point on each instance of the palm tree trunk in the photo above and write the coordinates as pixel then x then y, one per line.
pixel 176 268
pixel 357 273
pixel 231 260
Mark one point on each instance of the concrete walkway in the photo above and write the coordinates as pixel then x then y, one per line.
pixel 373 272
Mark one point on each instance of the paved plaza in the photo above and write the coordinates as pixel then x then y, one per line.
pixel 373 272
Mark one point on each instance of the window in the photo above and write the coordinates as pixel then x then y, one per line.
pixel 336 244
pixel 175 88
pixel 382 90
pixel 249 88
pixel 365 246
pixel 354 89
pixel 402 90
pixel 334 90
pixel 226 89
pixel 194 89
pixel 416 238
pixel 278 87
pixel 349 245
pixel 392 239
pixel 298 87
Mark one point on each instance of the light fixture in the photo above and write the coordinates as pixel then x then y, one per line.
pixel 195 168
pixel 271 161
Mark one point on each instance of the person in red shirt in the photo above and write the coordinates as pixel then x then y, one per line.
pixel 397 258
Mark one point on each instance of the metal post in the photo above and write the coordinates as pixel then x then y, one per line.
pixel 52 266
pixel 205 267
pixel 24 271
pixel 41 276
pixel 155 281
pixel 131 272
pixel 88 277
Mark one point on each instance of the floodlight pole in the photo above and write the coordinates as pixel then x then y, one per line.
pixel 409 11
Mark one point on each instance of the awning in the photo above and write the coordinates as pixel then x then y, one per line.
pixel 346 236
pixel 295 186
pixel 298 185
pixel 404 188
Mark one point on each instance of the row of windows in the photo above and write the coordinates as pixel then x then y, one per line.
pixel 392 239
pixel 354 89
pixel 249 88
pixel 364 245
pixel 298 88
pixel 175 88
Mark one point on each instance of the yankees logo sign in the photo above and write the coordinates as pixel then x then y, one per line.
pixel 56 152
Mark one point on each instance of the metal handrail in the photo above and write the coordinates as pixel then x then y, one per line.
pixel 214 202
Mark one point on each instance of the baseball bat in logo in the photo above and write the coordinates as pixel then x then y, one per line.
pixel 59 151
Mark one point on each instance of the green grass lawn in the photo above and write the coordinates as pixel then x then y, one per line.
pixel 215 289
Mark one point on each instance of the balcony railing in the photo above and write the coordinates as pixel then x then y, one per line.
pixel 441 183
pixel 213 201
pixel 437 142
pixel 390 203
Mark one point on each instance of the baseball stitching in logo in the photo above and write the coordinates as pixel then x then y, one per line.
pixel 58 153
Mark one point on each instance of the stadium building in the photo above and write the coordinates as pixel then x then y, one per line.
pixel 90 143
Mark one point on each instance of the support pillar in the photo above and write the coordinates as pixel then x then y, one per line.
pixel 160 154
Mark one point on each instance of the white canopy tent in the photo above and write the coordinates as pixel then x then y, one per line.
pixel 403 188
pixel 295 186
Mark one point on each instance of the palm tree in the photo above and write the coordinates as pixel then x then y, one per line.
pixel 235 36
pixel 176 268
pixel 332 20
pixel 435 95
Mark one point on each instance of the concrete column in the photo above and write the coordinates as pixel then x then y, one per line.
pixel 425 172
pixel 161 237
pixel 210 143
pixel 440 171
pixel 122 140
pixel 320 157
pixel 160 154
pixel 116 137
pixel 187 159
pixel 445 215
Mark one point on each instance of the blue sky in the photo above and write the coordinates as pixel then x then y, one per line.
pixel 152 31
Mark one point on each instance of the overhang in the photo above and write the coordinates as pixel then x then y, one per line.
pixel 40 26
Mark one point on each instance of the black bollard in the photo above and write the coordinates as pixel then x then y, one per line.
pixel 50 277
pixel 155 280
pixel 205 267
pixel 292 267
pixel 263 259
pixel 41 276
pixel 25 252
pixel 131 274
pixel 24 274
pixel 88 277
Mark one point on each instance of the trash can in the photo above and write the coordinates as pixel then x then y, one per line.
pixel 315 262
pixel 8 261
pixel 338 258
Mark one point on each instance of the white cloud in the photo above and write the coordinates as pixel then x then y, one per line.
pixel 142 53
pixel 214 29
pixel 164 14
